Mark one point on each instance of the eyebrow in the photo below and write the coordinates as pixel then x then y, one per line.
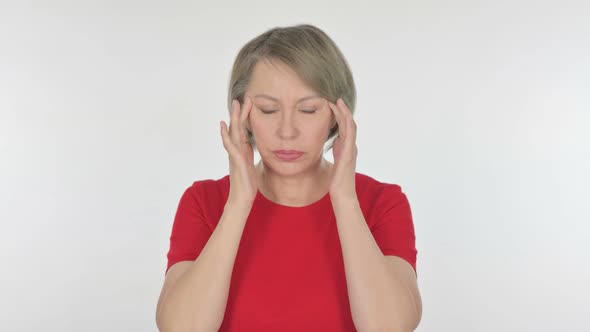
pixel 276 99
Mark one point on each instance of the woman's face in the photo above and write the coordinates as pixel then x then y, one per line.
pixel 299 119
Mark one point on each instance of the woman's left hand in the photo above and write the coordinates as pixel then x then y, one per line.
pixel 345 152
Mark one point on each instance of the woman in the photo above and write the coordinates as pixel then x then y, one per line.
pixel 294 243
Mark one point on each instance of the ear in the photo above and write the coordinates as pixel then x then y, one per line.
pixel 333 125
pixel 248 125
pixel 333 122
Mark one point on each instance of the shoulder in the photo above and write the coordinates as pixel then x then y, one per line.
pixel 209 187
pixel 210 192
pixel 367 186
pixel 208 197
pixel 376 196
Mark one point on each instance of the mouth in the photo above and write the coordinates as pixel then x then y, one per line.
pixel 288 155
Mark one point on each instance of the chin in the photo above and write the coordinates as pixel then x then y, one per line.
pixel 287 168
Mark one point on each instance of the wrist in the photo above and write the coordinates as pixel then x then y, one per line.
pixel 339 196
pixel 239 203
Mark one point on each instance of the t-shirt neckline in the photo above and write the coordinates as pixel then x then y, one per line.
pixel 323 202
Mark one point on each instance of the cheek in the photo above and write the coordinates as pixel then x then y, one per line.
pixel 255 121
pixel 260 129
pixel 317 131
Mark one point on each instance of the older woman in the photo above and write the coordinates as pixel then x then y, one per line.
pixel 293 243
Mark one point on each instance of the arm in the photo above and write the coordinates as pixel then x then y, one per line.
pixel 194 296
pixel 382 289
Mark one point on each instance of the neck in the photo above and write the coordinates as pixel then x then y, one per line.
pixel 298 189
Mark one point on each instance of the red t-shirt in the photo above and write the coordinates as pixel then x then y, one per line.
pixel 289 270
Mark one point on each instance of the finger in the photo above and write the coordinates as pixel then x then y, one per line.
pixel 244 116
pixel 227 141
pixel 352 133
pixel 334 110
pixel 339 119
pixel 225 136
pixel 234 122
pixel 351 124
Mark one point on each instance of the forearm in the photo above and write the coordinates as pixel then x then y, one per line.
pixel 378 299
pixel 198 299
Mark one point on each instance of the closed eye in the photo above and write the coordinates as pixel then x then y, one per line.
pixel 267 112
pixel 272 111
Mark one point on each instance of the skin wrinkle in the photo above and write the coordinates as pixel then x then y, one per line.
pixel 307 179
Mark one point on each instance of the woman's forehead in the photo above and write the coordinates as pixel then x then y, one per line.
pixel 276 85
pixel 276 99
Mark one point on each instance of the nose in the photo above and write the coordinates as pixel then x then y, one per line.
pixel 287 129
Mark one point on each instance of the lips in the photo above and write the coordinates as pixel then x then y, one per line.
pixel 288 155
pixel 288 151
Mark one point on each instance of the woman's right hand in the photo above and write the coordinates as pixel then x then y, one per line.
pixel 242 174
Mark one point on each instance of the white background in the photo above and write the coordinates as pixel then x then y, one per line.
pixel 479 110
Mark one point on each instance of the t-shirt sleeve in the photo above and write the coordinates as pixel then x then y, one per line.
pixel 393 227
pixel 190 231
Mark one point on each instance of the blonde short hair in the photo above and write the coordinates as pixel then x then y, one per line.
pixel 308 51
